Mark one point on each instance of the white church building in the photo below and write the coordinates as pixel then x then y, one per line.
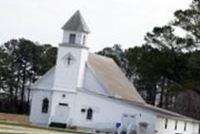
pixel 90 92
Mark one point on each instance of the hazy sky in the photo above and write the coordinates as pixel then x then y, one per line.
pixel 111 21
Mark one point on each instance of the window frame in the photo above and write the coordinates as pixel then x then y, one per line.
pixel 89 114
pixel 166 123
pixel 45 105
pixel 185 126
pixel 84 39
pixel 176 124
pixel 72 38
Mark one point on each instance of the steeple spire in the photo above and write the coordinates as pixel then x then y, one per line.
pixel 76 23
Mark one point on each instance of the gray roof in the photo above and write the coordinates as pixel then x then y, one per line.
pixel 76 23
pixel 111 76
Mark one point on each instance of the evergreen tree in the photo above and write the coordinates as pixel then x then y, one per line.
pixel 189 20
pixel 22 62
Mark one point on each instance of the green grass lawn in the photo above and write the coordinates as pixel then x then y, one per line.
pixel 14 128
pixel 18 124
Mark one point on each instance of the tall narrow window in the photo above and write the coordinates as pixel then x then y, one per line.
pixel 185 126
pixel 45 105
pixel 176 123
pixel 84 40
pixel 72 38
pixel 89 114
pixel 166 123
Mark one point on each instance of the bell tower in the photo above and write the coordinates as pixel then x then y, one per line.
pixel 75 30
pixel 72 54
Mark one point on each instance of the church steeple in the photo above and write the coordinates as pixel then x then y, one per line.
pixel 72 55
pixel 76 23
pixel 75 30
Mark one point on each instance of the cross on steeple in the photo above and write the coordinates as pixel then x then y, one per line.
pixel 68 59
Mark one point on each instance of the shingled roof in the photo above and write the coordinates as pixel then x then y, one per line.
pixel 76 23
pixel 113 79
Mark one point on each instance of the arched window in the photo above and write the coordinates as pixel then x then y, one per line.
pixel 45 105
pixel 89 114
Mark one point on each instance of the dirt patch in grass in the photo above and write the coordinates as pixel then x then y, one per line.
pixel 22 119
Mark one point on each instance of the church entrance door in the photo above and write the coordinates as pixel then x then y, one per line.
pixel 143 126
pixel 62 113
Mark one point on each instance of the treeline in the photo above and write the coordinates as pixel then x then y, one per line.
pixel 21 63
pixel 166 68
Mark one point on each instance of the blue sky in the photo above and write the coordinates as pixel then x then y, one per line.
pixel 111 21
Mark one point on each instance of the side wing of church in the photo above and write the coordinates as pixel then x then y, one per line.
pixel 90 92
